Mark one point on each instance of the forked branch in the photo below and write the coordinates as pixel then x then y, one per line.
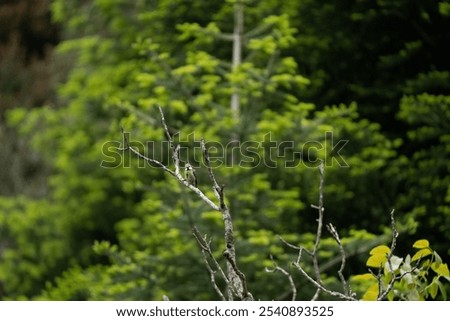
pixel 234 278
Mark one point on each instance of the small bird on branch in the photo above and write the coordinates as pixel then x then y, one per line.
pixel 189 174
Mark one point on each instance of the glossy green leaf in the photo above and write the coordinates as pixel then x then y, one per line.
pixel 441 269
pixel 364 277
pixel 376 261
pixel 380 250
pixel 420 244
pixel 421 254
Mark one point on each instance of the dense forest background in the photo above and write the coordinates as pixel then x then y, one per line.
pixel 79 223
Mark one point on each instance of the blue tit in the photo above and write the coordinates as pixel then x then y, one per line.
pixel 189 174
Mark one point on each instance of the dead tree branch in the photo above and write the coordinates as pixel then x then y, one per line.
pixel 287 274
pixel 315 252
pixel 317 281
pixel 346 287
pixel 206 252
pixel 235 279
pixel 383 294
pixel 176 159
pixel 308 277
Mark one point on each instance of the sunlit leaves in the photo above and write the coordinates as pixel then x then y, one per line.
pixel 409 278
pixel 420 244
pixel 378 256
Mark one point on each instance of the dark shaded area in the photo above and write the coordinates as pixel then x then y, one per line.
pixel 27 39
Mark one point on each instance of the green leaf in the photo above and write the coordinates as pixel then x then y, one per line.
pixel 432 289
pixel 371 294
pixel 364 277
pixel 440 269
pixel 376 261
pixel 420 244
pixel 437 258
pixel 378 256
pixel 421 254
pixel 381 249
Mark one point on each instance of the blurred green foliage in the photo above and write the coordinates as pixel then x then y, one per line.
pixel 113 228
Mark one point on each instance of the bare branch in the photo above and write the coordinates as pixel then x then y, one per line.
pixel 176 159
pixel 235 279
pixel 204 244
pixel 175 149
pixel 308 277
pixel 206 250
pixel 317 284
pixel 298 248
pixel 230 253
pixel 288 244
pixel 360 250
pixel 242 286
pixel 287 274
pixel 315 251
pixel 345 285
pixel 137 153
pixel 394 234
pixel 383 294
pixel 212 277
pixel 164 124
pixel 218 190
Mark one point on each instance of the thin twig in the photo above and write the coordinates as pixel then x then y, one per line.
pixel 317 284
pixel 175 149
pixel 164 124
pixel 394 234
pixel 206 250
pixel 335 235
pixel 315 252
pixel 287 274
pixel 288 244
pixel 360 250
pixel 212 277
pixel 218 190
pixel 137 153
pixel 206 247
pixel 309 278
pixel 383 294
pixel 347 295
pixel 175 174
